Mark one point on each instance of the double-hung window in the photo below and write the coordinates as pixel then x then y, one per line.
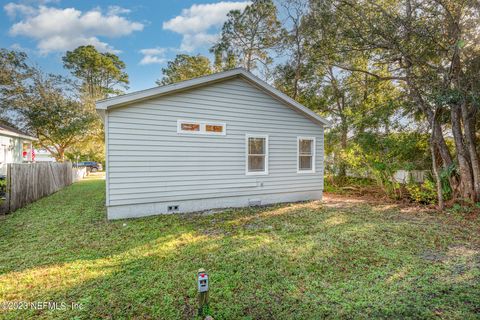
pixel 257 154
pixel 305 154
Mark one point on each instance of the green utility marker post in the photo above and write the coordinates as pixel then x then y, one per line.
pixel 202 281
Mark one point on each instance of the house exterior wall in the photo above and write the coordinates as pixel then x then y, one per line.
pixel 150 166
pixel 42 155
pixel 11 149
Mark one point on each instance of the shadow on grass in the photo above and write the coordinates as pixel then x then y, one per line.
pixel 255 277
pixel 290 261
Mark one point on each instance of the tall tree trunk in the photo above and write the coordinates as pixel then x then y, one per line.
pixel 295 83
pixel 466 178
pixel 435 169
pixel 470 141
pixel 249 61
pixel 458 113
pixel 434 123
pixel 438 180
pixel 60 155
pixel 442 145
pixel 342 170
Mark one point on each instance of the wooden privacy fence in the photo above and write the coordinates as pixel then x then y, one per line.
pixel 27 183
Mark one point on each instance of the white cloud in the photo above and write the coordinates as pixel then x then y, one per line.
pixel 57 29
pixel 14 9
pixel 42 1
pixel 116 10
pixel 60 43
pixel 196 22
pixel 152 60
pixel 153 56
pixel 192 41
pixel 200 17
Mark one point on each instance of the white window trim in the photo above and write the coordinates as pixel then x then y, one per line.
pixel 203 127
pixel 256 173
pixel 314 154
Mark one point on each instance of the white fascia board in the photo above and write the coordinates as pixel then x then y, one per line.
pixel 17 135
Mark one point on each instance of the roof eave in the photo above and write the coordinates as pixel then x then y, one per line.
pixel 17 135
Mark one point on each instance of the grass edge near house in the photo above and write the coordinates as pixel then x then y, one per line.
pixel 305 260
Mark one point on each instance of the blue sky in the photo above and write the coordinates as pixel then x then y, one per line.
pixel 145 34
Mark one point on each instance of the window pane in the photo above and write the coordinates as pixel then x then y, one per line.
pixel 214 128
pixel 305 163
pixel 190 127
pixel 256 163
pixel 306 146
pixel 256 145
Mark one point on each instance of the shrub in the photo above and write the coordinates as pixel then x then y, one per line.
pixel 3 186
pixel 379 156
pixel 425 193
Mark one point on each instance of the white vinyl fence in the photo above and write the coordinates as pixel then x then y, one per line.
pixel 400 176
pixel 79 173
pixel 403 176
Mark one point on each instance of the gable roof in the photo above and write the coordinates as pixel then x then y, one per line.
pixel 129 98
pixel 8 130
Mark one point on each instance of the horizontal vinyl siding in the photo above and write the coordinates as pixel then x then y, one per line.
pixel 150 162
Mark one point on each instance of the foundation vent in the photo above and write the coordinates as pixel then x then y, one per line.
pixel 173 208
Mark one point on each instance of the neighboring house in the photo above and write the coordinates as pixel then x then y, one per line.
pixel 43 155
pixel 223 140
pixel 15 147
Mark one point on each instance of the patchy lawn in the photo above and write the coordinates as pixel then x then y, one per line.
pixel 342 259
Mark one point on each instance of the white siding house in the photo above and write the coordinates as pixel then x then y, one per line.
pixel 223 140
pixel 43 155
pixel 15 147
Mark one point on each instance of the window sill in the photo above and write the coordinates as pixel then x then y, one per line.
pixel 256 173
pixel 200 133
pixel 305 171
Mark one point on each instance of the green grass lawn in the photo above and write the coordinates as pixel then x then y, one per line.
pixel 339 259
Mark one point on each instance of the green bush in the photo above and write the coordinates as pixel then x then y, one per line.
pixel 3 186
pixel 445 175
pixel 425 193
pixel 379 156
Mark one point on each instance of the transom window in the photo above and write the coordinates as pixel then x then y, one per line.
pixel 257 154
pixel 306 154
pixel 214 128
pixel 190 127
pixel 201 127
